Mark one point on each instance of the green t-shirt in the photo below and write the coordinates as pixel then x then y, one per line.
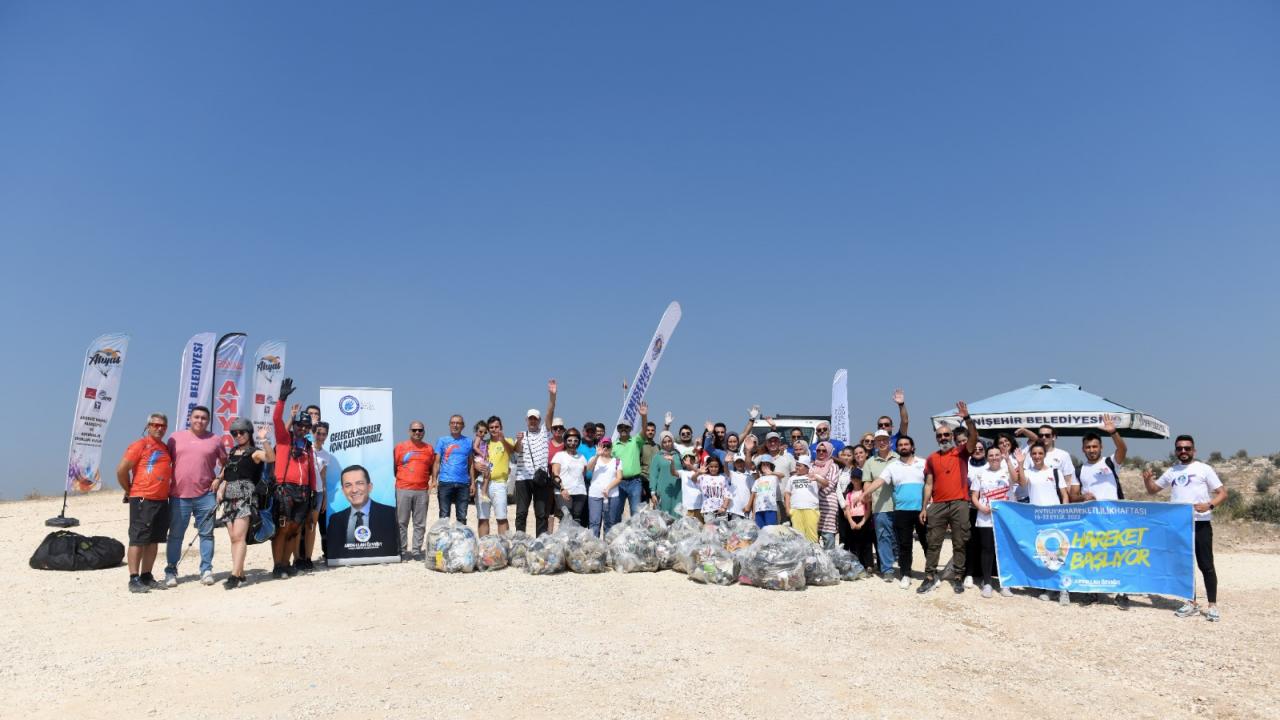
pixel 882 499
pixel 629 454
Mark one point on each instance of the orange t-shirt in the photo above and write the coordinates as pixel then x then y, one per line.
pixel 152 469
pixel 413 465
pixel 950 471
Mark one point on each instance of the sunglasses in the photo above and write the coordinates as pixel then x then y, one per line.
pixel 1046 435
pixel 156 424
pixel 239 432
pixel 942 436
pixel 884 424
pixel 417 430
pixel 1185 448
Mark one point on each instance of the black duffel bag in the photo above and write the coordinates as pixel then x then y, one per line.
pixel 65 550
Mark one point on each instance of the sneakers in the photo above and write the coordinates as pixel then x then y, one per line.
pixel 406 557
pixel 304 565
pixel 171 580
pixel 904 582
pixel 957 587
pixel 1064 598
pixel 277 572
pixel 150 581
pixel 1005 592
pixel 232 582
pixel 928 584
pixel 137 586
pixel 1211 614
pixel 1122 602
pixel 290 570
pixel 206 577
pixel 968 581
pixel 986 591
pixel 1187 610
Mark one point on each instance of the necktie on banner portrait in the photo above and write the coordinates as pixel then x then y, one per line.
pixel 229 388
pixel 360 433
pixel 195 379
pixel 648 365
pixel 268 373
pixel 1100 547
pixel 95 402
pixel 840 406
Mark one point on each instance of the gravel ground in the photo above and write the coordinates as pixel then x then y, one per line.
pixel 401 641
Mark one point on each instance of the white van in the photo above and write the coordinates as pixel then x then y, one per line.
pixel 806 424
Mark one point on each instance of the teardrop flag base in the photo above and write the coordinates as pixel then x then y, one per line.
pixel 62 520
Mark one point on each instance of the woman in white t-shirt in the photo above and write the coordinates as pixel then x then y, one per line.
pixel 1045 486
pixel 1008 445
pixel 568 467
pixel 993 482
pixel 606 474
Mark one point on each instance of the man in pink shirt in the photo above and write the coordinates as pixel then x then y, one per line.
pixel 197 453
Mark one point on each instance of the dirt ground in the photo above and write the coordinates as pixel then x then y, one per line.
pixel 401 641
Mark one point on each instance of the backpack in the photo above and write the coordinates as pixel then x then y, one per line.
pixel 65 550
pixel 1116 473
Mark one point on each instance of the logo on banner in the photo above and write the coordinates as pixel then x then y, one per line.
pixel 363 534
pixel 269 366
pixel 1052 547
pixel 657 348
pixel 348 405
pixel 105 359
pixel 90 393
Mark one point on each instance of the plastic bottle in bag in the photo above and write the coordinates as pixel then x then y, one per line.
pixel 709 563
pixel 775 561
pixel 847 565
pixel 586 554
pixel 818 567
pixel 632 550
pixel 650 521
pixel 742 532
pixel 517 547
pixel 682 528
pixel 545 555
pixel 451 547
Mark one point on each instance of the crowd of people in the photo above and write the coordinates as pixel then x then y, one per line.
pixel 876 498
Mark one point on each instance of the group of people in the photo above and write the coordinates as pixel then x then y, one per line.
pixel 871 497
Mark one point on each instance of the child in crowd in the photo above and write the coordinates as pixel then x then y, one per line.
pixel 714 487
pixel 801 499
pixel 764 496
pixel 690 493
pixel 741 481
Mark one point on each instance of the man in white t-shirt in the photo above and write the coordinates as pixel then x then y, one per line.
pixel 1196 484
pixel 1099 481
pixel 1054 457
pixel 533 453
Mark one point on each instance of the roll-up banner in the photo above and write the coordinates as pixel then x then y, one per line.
pixel 268 373
pixel 195 381
pixel 362 514
pixel 1098 547
pixel 840 406
pixel 229 384
pixel 95 402
pixel 649 364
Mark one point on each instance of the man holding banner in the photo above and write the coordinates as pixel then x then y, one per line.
pixel 1196 484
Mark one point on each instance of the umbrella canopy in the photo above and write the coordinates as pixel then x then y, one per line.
pixel 1069 409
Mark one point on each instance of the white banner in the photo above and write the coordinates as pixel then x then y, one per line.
pixel 360 433
pixel 95 402
pixel 229 384
pixel 268 373
pixel 1129 424
pixel 648 365
pixel 840 406
pixel 195 382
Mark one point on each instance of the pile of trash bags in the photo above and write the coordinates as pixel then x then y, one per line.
pixel 633 549
pixel 776 560
pixel 584 553
pixel 451 547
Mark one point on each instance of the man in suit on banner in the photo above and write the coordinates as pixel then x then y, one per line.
pixel 367 529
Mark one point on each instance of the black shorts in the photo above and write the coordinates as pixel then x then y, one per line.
pixel 293 503
pixel 148 521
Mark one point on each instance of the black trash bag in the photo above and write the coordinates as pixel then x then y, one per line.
pixel 65 550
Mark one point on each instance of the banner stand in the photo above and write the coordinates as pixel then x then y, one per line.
pixel 62 521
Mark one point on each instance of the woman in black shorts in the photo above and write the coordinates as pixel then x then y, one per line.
pixel 237 492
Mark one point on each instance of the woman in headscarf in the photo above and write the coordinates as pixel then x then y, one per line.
pixel 825 467
pixel 664 476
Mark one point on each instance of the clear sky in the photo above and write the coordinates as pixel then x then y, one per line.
pixel 461 200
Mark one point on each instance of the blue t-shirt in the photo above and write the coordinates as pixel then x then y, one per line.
pixel 908 483
pixel 453 454
pixel 587 452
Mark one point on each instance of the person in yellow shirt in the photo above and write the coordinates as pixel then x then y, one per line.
pixel 492 498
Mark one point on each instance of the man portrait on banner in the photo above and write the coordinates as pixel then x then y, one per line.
pixel 367 529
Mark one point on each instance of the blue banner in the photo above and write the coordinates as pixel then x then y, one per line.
pixel 1101 547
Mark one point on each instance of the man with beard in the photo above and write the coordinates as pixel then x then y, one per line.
pixel 1099 480
pixel 946 500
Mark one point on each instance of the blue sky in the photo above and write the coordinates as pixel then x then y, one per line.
pixel 459 201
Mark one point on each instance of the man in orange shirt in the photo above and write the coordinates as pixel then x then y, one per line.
pixel 946 500
pixel 413 461
pixel 146 473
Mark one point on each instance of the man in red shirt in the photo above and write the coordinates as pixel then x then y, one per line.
pixel 146 472
pixel 413 461
pixel 295 483
pixel 946 500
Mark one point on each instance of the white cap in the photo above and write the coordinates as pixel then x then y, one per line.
pixel 882 433
pixel 804 460
pixel 557 422
pixel 533 413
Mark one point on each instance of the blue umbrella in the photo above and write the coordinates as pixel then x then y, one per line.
pixel 1068 408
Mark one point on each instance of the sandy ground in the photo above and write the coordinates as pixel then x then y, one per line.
pixel 401 641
